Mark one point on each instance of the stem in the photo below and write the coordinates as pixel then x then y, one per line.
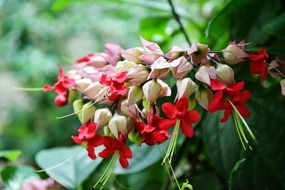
pixel 172 145
pixel 279 72
pixel 107 173
pixel 177 18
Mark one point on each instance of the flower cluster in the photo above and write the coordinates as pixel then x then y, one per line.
pixel 118 90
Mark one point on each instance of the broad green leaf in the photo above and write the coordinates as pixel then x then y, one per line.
pixel 143 157
pixel 206 181
pixel 11 155
pixel 69 166
pixel 221 142
pixel 14 176
pixel 276 27
pixel 265 167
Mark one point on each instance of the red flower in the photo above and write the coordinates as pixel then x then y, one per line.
pixel 180 111
pixel 235 94
pixel 61 87
pixel 87 136
pixel 152 132
pixel 116 85
pixel 113 145
pixel 258 63
pixel 85 59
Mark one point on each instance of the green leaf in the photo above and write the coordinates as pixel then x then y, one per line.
pixel 154 28
pixel 221 142
pixel 143 157
pixel 276 27
pixel 73 165
pixel 206 181
pixel 14 176
pixel 265 166
pixel 11 155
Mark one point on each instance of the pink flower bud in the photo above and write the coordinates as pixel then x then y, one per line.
pixel 233 54
pixel 185 87
pixel 128 110
pixel 118 124
pixel 203 96
pixel 124 66
pixel 181 67
pixel 225 74
pixel 133 54
pixel 135 94
pixel 198 53
pixel 82 84
pixel 159 68
pixel 93 90
pixel 85 112
pixel 165 91
pixel 205 73
pixel 151 90
pixel 137 75
pixel 102 117
pixel 175 53
pixel 88 111
pixel 94 59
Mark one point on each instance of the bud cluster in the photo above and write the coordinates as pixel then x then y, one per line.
pixel 115 93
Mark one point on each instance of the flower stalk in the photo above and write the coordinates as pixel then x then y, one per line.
pixel 172 145
pixel 243 130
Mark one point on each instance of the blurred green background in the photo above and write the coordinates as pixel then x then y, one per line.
pixel 38 36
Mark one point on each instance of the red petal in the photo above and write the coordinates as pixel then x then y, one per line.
pixel 217 85
pixel 192 117
pixel 91 152
pixel 104 80
pixel 263 52
pixel 47 88
pixel 126 152
pixel 169 110
pixel 227 113
pixel 217 102
pixel 124 162
pixel 60 100
pixel 186 129
pixel 255 67
pixel 107 153
pixel 77 140
pixel 96 141
pixel 109 142
pixel 182 104
pixel 160 136
pixel 243 110
pixel 166 123
pixel 264 72
pixel 245 96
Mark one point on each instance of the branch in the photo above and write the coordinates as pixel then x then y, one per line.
pixel 177 18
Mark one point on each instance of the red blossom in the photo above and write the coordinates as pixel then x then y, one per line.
pixel 235 94
pixel 258 63
pixel 85 59
pixel 87 136
pixel 116 85
pixel 180 111
pixel 152 132
pixel 114 145
pixel 61 87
